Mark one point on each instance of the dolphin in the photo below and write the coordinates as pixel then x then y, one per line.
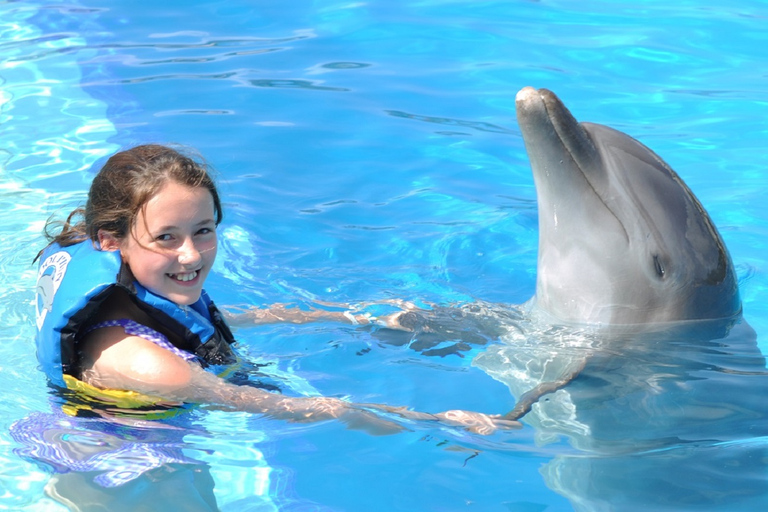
pixel 622 240
pixel 633 345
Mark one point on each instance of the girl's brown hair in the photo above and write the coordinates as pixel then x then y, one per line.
pixel 124 185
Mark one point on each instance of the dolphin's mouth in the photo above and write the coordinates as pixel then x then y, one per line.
pixel 573 137
pixel 553 136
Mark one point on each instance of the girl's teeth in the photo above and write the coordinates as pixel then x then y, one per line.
pixel 184 277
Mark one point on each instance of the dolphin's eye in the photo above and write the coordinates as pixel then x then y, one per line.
pixel 658 266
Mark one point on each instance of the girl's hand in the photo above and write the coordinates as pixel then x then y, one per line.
pixel 477 422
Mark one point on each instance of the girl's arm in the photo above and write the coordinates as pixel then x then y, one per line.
pixel 119 361
pixel 281 313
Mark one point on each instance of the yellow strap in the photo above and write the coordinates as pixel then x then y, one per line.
pixel 116 401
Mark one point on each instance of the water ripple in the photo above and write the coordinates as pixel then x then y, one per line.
pixel 294 84
pixel 475 125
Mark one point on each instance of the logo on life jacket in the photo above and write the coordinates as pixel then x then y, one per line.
pixel 49 279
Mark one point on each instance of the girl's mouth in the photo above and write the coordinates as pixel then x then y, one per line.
pixel 183 278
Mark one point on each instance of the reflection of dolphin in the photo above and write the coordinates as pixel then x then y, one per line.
pixel 634 349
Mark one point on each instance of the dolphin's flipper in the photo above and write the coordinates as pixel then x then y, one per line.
pixel 526 401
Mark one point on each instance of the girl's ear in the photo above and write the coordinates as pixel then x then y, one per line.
pixel 108 241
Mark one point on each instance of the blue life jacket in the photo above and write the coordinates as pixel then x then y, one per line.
pixel 74 281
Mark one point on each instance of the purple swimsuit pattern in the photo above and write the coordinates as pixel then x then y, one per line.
pixel 136 329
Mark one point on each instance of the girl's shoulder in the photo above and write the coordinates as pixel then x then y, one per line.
pixel 123 349
pixel 113 357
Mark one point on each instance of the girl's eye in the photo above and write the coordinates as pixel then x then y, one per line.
pixel 164 238
pixel 205 231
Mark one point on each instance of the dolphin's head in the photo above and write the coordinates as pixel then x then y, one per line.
pixel 622 238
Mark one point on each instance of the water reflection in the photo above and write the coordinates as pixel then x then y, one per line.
pixel 667 420
pixel 476 125
pixel 117 464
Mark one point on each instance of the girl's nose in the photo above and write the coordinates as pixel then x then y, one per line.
pixel 189 255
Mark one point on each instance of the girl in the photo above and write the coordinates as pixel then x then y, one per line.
pixel 121 304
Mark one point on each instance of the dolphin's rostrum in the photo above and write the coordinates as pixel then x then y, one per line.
pixel 622 240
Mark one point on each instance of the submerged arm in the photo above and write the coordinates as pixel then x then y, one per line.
pixel 282 313
pixel 207 388
pixel 116 361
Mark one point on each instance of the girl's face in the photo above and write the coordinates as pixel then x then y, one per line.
pixel 172 245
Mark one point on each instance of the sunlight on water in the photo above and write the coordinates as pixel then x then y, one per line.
pixel 369 151
pixel 238 466
pixel 39 96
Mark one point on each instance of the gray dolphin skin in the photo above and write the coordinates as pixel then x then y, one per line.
pixel 622 240
pixel 633 346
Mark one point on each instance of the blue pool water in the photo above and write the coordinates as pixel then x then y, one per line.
pixel 366 151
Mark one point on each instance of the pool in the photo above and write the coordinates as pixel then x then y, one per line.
pixel 366 151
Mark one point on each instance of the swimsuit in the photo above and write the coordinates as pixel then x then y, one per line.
pixel 136 329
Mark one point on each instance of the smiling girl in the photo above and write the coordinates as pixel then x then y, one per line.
pixel 121 304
